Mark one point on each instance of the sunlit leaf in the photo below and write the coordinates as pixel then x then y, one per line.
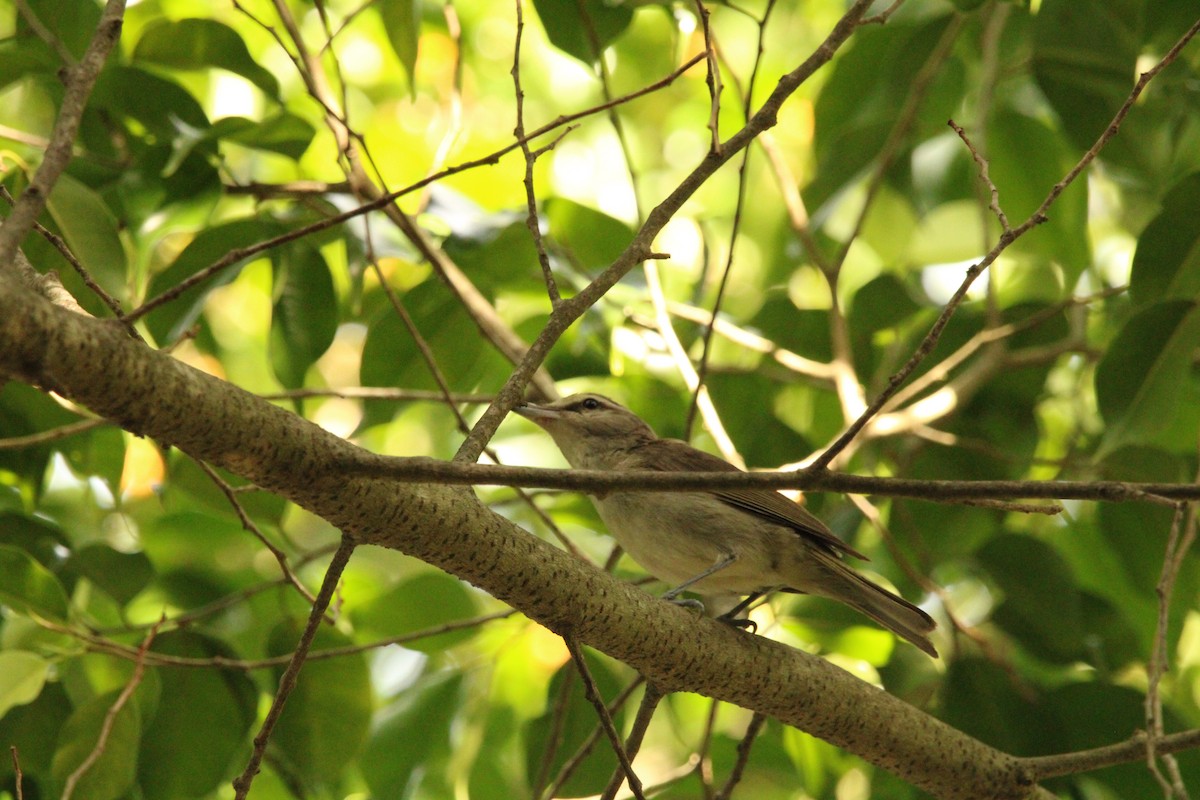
pixel 22 676
pixel 199 43
pixel 29 587
pixel 402 20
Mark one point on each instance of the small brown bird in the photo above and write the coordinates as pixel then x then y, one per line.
pixel 721 544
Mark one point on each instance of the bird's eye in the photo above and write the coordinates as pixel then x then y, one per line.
pixel 590 404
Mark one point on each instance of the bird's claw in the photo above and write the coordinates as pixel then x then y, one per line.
pixel 741 623
pixel 687 602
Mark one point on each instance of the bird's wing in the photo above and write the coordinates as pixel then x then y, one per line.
pixel 672 455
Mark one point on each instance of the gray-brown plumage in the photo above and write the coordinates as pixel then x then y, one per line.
pixel 721 544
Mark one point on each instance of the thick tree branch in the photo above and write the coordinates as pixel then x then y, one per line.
pixel 96 364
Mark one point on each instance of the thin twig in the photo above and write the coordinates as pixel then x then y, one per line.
pixel 1036 218
pixel 743 750
pixel 571 764
pixel 280 557
pixel 558 722
pixel 739 205
pixel 531 218
pixel 287 682
pixel 592 693
pixel 982 163
pixel 58 153
pixel 17 776
pixel 110 717
pixel 52 435
pixel 708 410
pixel 641 246
pixel 650 700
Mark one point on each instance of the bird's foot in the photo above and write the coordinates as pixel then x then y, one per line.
pixel 686 602
pixel 739 622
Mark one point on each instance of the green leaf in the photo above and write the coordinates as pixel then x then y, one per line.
pixel 112 775
pixel 199 44
pixel 304 316
pixel 283 133
pixel 90 229
pixel 168 322
pixel 605 21
pixel 391 358
pixel 98 453
pixel 25 410
pixel 34 729
pixel 38 537
pixel 1167 263
pixel 1092 714
pixel 22 58
pixel 425 601
pixel 869 85
pixel 28 587
pixel 325 722
pixel 1026 157
pixel 414 727
pixel 1137 381
pixel 121 575
pixel 205 713
pixel 161 105
pixel 1033 577
pixel 22 676
pixel 979 698
pixel 1084 57
pixel 402 20
pixel 594 239
pixel 73 25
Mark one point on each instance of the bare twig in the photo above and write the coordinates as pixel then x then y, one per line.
pixel 571 764
pixel 640 248
pixel 743 174
pixel 981 162
pixel 531 218
pixel 683 364
pixel 592 693
pixel 80 80
pixel 743 750
pixel 1127 752
pixel 650 700
pixel 110 717
pixel 280 557
pixel 17 776
pixel 1036 218
pixel 287 682
pixel 52 435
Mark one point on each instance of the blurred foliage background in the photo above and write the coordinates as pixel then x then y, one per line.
pixel 828 254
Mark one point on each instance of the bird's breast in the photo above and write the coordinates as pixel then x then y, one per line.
pixel 676 536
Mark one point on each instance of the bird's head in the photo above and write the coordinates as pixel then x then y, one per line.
pixel 590 429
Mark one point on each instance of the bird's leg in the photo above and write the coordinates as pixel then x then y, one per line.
pixel 730 617
pixel 721 563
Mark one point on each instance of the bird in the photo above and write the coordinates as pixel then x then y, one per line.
pixel 721 544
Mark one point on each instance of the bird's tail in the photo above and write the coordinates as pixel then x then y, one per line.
pixel 839 582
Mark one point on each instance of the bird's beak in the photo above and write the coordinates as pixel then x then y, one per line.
pixel 539 415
